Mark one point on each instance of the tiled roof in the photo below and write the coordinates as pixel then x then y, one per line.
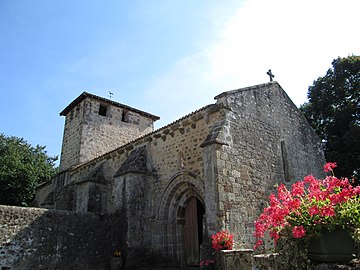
pixel 114 103
pixel 214 106
pixel 149 134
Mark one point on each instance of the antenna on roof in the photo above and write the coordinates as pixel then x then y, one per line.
pixel 110 95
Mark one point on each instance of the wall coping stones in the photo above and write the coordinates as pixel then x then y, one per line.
pixel 236 259
pixel 247 89
pixel 269 262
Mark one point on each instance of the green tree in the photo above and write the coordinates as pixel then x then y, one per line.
pixel 22 168
pixel 333 109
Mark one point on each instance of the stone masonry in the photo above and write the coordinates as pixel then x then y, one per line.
pixel 94 126
pixel 212 169
pixel 42 239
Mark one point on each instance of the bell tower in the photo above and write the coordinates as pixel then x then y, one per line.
pixel 95 126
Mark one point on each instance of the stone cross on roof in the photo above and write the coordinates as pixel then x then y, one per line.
pixel 270 75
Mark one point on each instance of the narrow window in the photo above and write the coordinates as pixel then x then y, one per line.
pixel 124 116
pixel 285 161
pixel 102 110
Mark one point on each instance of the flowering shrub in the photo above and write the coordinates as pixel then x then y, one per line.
pixel 310 206
pixel 222 240
pixel 207 264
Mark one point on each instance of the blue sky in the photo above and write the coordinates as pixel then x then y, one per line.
pixel 164 57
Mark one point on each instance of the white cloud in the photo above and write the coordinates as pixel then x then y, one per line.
pixel 297 40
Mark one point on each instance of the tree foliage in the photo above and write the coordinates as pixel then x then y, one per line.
pixel 333 109
pixel 22 168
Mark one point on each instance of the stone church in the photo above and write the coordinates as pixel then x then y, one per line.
pixel 212 169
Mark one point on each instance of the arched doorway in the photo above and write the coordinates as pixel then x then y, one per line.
pixel 182 196
pixel 193 231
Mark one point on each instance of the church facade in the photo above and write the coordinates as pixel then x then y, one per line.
pixel 212 169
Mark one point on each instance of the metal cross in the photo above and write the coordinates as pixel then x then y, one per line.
pixel 270 75
pixel 110 95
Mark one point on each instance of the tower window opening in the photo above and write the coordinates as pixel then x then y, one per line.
pixel 125 116
pixel 102 110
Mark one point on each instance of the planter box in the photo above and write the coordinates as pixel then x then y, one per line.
pixel 335 246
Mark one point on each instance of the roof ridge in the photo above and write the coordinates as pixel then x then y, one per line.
pixel 247 88
pixel 146 135
pixel 85 94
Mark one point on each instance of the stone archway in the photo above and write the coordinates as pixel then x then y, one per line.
pixel 181 196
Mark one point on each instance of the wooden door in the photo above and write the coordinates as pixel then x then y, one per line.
pixel 191 234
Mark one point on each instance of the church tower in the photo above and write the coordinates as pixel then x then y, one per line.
pixel 95 126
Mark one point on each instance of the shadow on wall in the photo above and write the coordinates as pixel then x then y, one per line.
pixel 34 238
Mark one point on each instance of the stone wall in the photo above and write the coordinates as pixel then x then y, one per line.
pixel 70 150
pixel 101 134
pixel 236 259
pixel 273 261
pixel 155 190
pixel 33 238
pixel 151 179
pixel 89 134
pixel 265 141
pixel 228 155
pixel 44 193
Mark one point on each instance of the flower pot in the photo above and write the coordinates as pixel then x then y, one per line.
pixel 334 246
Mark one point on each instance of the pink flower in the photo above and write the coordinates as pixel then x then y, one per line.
pixel 313 210
pixel 298 231
pixel 328 167
pixel 309 179
pixel 357 190
pixel 294 204
pixel 311 204
pixel 258 243
pixel 283 193
pixel 222 240
pixel 297 189
pixel 260 228
pixel 327 211
pixel 274 235
pixel 273 200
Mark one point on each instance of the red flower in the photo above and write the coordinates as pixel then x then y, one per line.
pixel 222 240
pixel 297 189
pixel 283 193
pixel 313 210
pixel 327 211
pixel 294 204
pixel 274 235
pixel 328 167
pixel 298 231
pixel 309 179
pixel 312 204
pixel 258 243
